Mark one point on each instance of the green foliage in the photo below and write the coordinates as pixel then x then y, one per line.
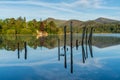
pixel 108 28
pixel 10 31
pixel 52 28
pixel 21 26
pixel 25 31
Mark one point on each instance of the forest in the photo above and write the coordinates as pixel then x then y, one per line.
pixel 21 26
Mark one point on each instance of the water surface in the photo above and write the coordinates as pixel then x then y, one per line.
pixel 29 58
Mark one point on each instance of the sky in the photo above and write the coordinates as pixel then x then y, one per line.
pixel 60 9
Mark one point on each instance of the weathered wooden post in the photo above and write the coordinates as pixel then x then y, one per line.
pixel 58 49
pixel 25 46
pixel 71 51
pixel 65 61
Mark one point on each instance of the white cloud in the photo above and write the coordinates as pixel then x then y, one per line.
pixel 62 9
pixel 57 6
pixel 95 4
pixel 84 3
pixel 63 6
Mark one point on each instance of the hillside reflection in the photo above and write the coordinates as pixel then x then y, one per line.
pixel 11 43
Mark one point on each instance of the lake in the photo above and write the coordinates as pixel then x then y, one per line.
pixel 31 58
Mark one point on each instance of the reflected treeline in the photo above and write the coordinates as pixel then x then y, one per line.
pixel 98 41
pixel 12 42
pixel 105 41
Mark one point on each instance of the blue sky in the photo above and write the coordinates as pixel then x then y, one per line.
pixel 60 9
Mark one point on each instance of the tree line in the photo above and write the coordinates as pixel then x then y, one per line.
pixel 21 26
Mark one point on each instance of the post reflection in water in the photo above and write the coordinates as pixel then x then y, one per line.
pixel 25 46
pixel 18 50
pixel 88 42
pixel 58 49
pixel 25 50
pixel 50 53
pixel 64 48
pixel 85 43
pixel 83 50
pixel 44 62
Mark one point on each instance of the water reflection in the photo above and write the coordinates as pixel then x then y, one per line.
pixel 64 48
pixel 26 51
pixel 87 41
pixel 18 51
pixel 11 42
pixel 25 46
pixel 85 38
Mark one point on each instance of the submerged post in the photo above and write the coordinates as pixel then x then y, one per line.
pixel 58 49
pixel 71 51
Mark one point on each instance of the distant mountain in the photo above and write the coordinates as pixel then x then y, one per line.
pixel 76 23
pixel 90 22
pixel 106 20
pixel 61 23
pixel 58 22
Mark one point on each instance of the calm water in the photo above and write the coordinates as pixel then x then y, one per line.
pixel 31 58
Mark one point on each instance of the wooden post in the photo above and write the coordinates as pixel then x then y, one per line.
pixel 71 51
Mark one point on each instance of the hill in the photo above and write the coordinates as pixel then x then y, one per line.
pixel 58 22
pixel 106 20
pixel 101 20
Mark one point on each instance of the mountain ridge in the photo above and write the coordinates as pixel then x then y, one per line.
pixel 76 22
